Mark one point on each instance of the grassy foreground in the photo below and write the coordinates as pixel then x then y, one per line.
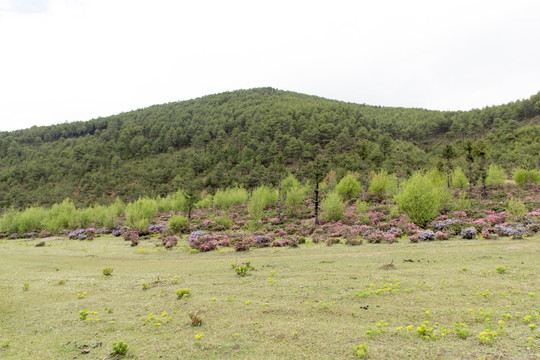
pixel 312 302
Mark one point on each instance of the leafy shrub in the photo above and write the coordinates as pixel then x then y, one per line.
pixel 120 348
pixel 205 203
pixel 419 200
pixel 178 223
pixel 332 207
pixel 521 176
pixel 517 208
pixel 459 180
pixel 223 222
pixel 60 217
pixel 495 175
pixel 295 198
pixel 287 184
pixel 173 202
pixel 382 184
pixel 348 187
pixel 353 240
pixel 139 213
pixel 362 210
pixel 230 197
pixel 468 233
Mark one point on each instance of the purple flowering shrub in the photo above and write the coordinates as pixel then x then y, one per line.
pixel 468 233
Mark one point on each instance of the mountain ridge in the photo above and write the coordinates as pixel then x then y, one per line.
pixel 234 138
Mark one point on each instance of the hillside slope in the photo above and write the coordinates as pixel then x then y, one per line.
pixel 236 137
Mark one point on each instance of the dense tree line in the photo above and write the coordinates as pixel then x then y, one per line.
pixel 247 138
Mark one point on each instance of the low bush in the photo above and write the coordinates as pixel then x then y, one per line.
pixel 178 223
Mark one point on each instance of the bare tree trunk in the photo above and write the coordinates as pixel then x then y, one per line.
pixel 316 203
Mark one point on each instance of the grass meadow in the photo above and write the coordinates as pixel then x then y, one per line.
pixel 456 299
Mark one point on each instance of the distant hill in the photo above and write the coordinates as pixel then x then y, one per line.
pixel 239 137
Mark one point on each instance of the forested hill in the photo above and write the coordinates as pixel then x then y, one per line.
pixel 244 137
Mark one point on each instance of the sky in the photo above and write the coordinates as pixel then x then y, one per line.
pixel 74 60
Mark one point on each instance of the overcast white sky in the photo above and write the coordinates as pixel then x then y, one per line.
pixel 69 60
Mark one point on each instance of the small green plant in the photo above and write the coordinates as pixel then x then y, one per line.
pixel 425 331
pixel 241 269
pixel 83 314
pixel 26 286
pixel 487 336
pixel 145 286
pixel 361 351
pixel 120 348
pixel 107 271
pixel 461 330
pixel 501 269
pixel 5 344
pixel 183 293
pixel 61 282
pixel 81 295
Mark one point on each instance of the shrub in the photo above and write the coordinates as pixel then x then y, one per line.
pixel 419 200
pixel 332 207
pixel 348 187
pixel 223 222
pixel 173 202
pixel 382 184
pixel 439 235
pixel 60 217
pixel 205 202
pixel 139 213
pixel 459 180
pixel 178 223
pixel 517 208
pixel 295 197
pixel 230 197
pixel 242 245
pixel 521 176
pixel 132 236
pixel 169 242
pixel 426 235
pixel 287 184
pixel 379 237
pixel 30 220
pixel 468 233
pixel 495 175
pixel 120 348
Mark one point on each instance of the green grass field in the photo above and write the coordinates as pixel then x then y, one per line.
pixel 311 302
